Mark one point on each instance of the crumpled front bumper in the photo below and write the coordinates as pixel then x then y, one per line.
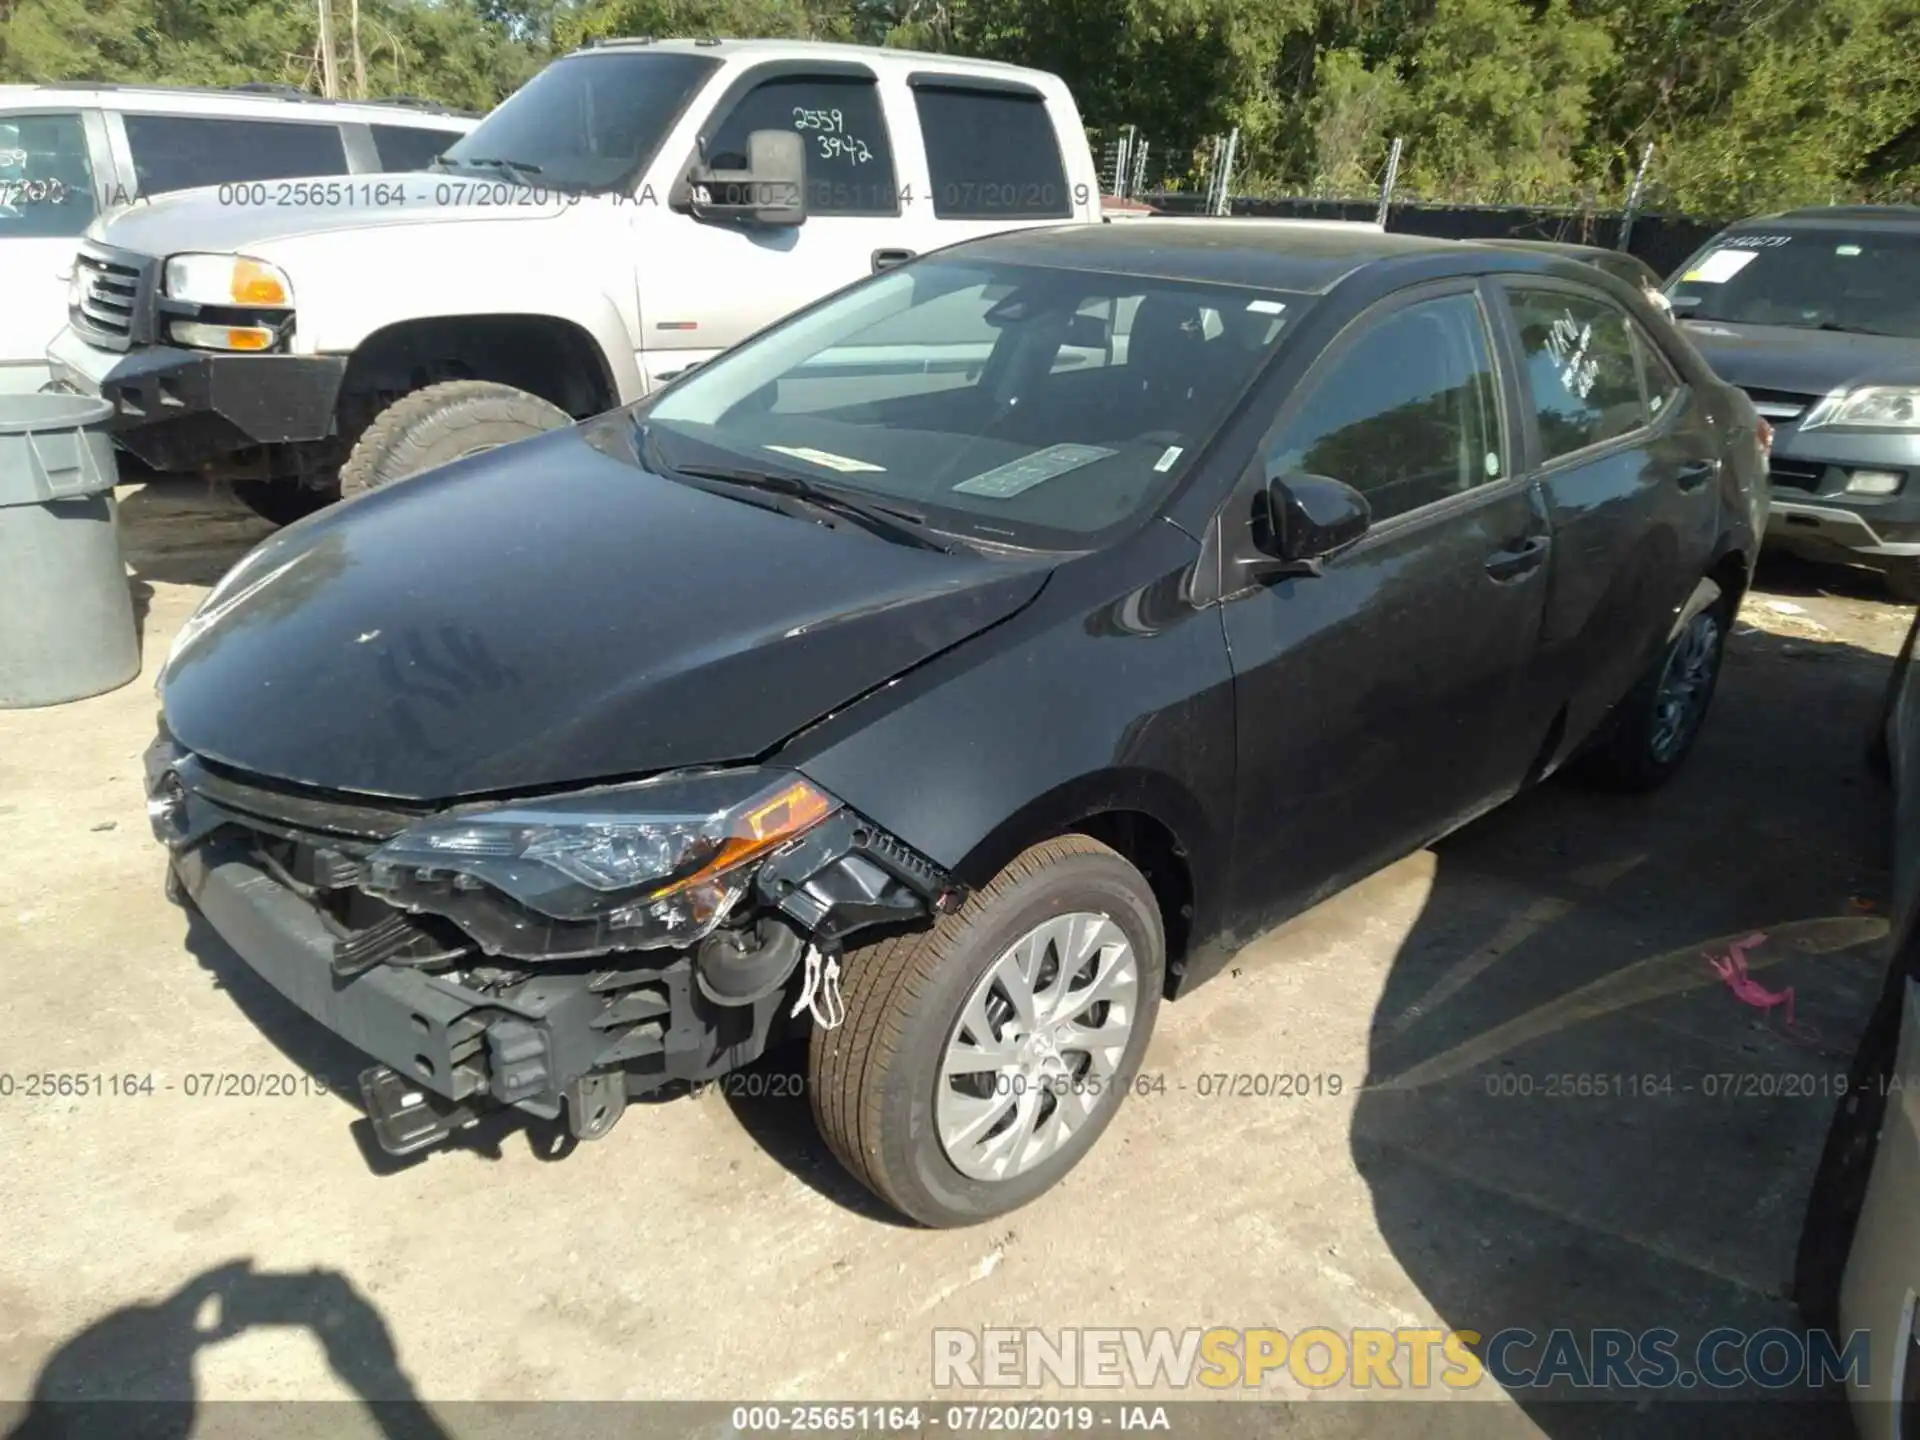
pixel 582 1041
pixel 460 1032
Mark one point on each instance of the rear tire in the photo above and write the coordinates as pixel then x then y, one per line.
pixel 441 424
pixel 1662 716
pixel 877 1081
pixel 283 501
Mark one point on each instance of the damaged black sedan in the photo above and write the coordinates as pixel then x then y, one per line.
pixel 949 674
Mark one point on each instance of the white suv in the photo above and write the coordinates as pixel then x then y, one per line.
pixel 630 212
pixel 69 152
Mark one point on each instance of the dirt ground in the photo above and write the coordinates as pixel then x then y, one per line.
pixel 167 1245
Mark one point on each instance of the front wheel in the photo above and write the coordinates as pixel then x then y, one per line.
pixel 979 1060
pixel 1662 717
pixel 441 424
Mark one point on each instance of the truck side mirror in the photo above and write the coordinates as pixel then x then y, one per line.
pixel 771 190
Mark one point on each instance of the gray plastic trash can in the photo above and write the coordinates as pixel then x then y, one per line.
pixel 66 613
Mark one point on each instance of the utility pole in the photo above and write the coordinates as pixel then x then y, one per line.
pixel 1386 185
pixel 359 57
pixel 1633 196
pixel 329 65
pixel 1225 205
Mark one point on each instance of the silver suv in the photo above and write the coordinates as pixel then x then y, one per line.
pixel 68 152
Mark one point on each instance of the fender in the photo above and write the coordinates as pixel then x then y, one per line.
pixel 349 284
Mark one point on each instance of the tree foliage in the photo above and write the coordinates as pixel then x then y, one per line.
pixel 1747 103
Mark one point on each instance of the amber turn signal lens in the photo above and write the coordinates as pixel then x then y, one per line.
pixel 255 284
pixel 765 823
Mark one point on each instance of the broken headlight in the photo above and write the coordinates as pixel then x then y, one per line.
pixel 661 862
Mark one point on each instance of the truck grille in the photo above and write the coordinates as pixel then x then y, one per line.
pixel 112 297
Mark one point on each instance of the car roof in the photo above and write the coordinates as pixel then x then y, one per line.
pixel 263 101
pixel 1878 217
pixel 878 57
pixel 1305 256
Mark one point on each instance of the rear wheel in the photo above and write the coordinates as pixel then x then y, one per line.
pixel 283 501
pixel 441 424
pixel 979 1060
pixel 1659 721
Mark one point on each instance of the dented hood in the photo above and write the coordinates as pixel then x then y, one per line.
pixel 552 613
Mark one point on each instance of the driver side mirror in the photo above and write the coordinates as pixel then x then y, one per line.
pixel 1304 519
pixel 771 190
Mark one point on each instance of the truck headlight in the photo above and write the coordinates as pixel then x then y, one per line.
pixel 1870 407
pixel 227 282
pixel 655 863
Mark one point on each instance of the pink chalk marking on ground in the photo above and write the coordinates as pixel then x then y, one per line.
pixel 1732 968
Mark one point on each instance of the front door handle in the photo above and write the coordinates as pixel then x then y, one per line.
pixel 1694 474
pixel 887 259
pixel 1518 560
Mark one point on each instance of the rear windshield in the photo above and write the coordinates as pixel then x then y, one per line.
pixel 1021 405
pixel 1838 278
pixel 46 179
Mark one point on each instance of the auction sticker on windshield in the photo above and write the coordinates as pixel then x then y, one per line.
pixel 1005 481
pixel 825 458
pixel 1721 266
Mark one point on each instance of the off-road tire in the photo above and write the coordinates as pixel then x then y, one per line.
pixel 283 501
pixel 441 424
pixel 1626 759
pixel 872 1078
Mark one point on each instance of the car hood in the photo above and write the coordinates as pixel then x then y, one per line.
pixel 551 613
pixel 1803 362
pixel 221 218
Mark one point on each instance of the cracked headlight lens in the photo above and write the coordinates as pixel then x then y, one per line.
pixel 665 859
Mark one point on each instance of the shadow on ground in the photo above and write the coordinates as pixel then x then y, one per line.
pixel 130 1375
pixel 1570 1121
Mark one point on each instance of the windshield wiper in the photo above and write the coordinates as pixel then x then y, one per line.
pixel 892 522
pixel 516 170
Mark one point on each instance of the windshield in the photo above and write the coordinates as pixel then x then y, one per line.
pixel 1826 278
pixel 589 122
pixel 46 180
pixel 1020 405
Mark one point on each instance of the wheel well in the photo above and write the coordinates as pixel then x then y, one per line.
pixel 1729 572
pixel 545 356
pixel 1157 854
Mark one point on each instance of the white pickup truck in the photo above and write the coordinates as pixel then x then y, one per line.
pixel 634 209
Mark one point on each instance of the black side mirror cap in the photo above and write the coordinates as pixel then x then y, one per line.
pixel 1305 519
pixel 771 190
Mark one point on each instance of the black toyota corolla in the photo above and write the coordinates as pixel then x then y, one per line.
pixel 951 672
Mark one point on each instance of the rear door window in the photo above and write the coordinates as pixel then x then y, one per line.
pixel 1582 368
pixel 409 147
pixel 178 152
pixel 46 176
pixel 992 155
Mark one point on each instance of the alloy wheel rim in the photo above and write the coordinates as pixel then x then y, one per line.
pixel 1031 1058
pixel 1685 686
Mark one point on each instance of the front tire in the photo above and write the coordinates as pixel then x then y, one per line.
pixel 441 424
pixel 979 1060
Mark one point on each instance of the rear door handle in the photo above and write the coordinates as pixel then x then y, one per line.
pixel 1518 560
pixel 1696 473
pixel 887 259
